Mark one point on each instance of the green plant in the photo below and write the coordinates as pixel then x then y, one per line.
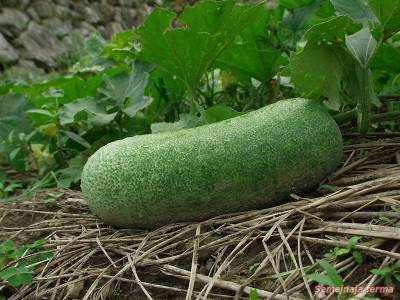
pixel 394 222
pixel 17 263
pixel 390 273
pixel 339 251
pixel 7 188
pixel 345 46
pixel 332 277
pixel 253 295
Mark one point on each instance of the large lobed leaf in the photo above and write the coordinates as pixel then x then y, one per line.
pixel 317 72
pixel 87 108
pixel 13 116
pixel 127 89
pixel 358 10
pixel 252 54
pixel 199 36
pixel 385 13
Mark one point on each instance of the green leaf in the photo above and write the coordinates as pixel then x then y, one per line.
pixel 295 24
pixel 382 271
pixel 393 24
pixel 221 112
pixel 329 187
pixel 13 117
pixel 18 157
pixel 62 89
pixel 36 244
pixel 72 174
pixel 317 72
pixel 121 45
pixel 7 273
pixel 20 251
pixel 21 277
pixel 332 29
pixel 94 111
pixel 94 45
pixel 252 54
pixel 362 46
pixel 395 209
pixel 353 241
pixel 186 121
pixel 384 10
pixel 41 116
pixel 73 136
pixel 322 279
pixel 203 32
pixel 301 15
pixel 388 14
pixel 3 177
pixel 127 89
pixel 357 10
pixel 7 246
pixel 329 254
pixel 5 87
pixel 253 295
pixel 68 176
pixel 291 4
pixel 384 219
pixel 341 251
pixel 387 59
pixel 358 257
pixel 332 273
pixel 44 255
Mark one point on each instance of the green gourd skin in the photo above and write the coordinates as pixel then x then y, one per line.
pixel 249 162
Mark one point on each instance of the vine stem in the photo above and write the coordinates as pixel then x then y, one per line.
pixel 350 115
pixel 366 98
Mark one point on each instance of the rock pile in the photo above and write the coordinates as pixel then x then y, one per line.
pixel 40 32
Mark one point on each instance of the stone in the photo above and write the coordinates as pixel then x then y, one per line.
pixel 58 27
pixel 44 8
pixel 128 17
pixel 68 43
pixel 115 27
pixel 62 11
pixel 118 15
pixel 41 46
pixel 7 32
pixel 33 15
pixel 79 9
pixel 7 52
pixel 86 29
pixel 112 2
pixel 103 31
pixel 13 3
pixel 13 18
pixel 107 12
pixel 143 12
pixel 63 2
pixel 67 13
pixel 91 15
pixel 128 3
pixel 26 70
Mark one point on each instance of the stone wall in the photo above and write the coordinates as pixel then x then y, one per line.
pixel 39 33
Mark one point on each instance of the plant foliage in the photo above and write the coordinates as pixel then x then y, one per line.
pixel 213 61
